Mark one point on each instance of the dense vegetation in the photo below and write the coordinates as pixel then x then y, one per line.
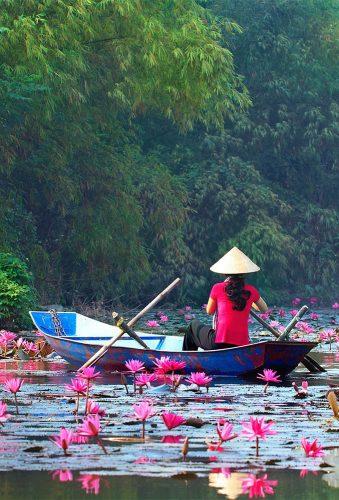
pixel 140 140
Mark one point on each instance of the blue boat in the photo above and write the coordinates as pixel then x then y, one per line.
pixel 82 337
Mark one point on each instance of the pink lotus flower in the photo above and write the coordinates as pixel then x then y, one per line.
pixel 313 300
pixel 188 308
pixel 265 316
pixel 134 365
pixel 94 409
pixel 90 483
pixel 152 323
pixel 7 336
pixel 314 316
pixel 225 430
pixel 181 311
pixel 3 413
pixel 303 326
pixel 29 347
pixel 313 450
pixel 328 335
pixel 294 312
pixel 258 487
pixel 78 386
pixel 282 313
pixel 64 439
pixel 14 385
pixel 257 429
pixel 296 301
pixel 145 379
pixel 335 305
pixel 90 428
pixel 88 374
pixel 165 364
pixel 269 376
pixel 172 420
pixel 143 411
pixel 303 391
pixel 188 317
pixel 63 475
pixel 163 318
pixel 200 379
pixel 144 460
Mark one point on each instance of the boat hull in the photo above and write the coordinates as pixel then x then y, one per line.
pixel 283 357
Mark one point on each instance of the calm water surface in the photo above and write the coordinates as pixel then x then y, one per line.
pixel 30 463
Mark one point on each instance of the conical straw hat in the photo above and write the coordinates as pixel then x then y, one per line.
pixel 234 262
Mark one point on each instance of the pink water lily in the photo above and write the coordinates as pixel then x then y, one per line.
pixel 94 409
pixel 90 428
pixel 163 318
pixel 312 450
pixel 145 379
pixel 14 385
pixel 172 420
pixel 313 300
pixel 188 317
pixel 29 347
pixel 88 374
pixel 63 475
pixel 143 411
pixel 152 323
pixel 257 429
pixel 90 483
pixel 3 413
pixel 294 312
pixel 328 335
pixel 188 308
pixel 200 379
pixel 268 376
pixel 304 327
pixel 79 439
pixel 335 305
pixel 6 341
pixel 282 313
pixel 63 440
pixel 258 487
pixel 314 316
pixel 134 366
pixel 78 386
pixel 225 431
pixel 296 301
pixel 165 364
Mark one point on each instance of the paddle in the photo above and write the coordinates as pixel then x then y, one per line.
pixel 102 351
pixel 125 328
pixel 311 364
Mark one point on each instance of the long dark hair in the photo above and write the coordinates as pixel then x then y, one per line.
pixel 235 292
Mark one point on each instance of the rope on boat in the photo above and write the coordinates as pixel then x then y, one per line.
pixel 58 328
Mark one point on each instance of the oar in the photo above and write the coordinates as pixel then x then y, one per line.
pixel 311 364
pixel 101 352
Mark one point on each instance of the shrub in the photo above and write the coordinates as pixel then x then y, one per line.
pixel 17 294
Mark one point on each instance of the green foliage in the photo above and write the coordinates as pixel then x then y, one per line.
pixel 106 196
pixel 16 292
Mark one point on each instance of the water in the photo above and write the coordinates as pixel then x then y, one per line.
pixel 155 469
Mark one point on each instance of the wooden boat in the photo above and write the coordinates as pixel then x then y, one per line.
pixel 82 337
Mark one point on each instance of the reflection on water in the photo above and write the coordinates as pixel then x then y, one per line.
pixel 67 485
pixel 227 483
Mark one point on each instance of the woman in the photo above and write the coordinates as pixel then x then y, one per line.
pixel 231 302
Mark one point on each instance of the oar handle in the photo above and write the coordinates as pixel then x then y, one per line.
pixel 121 323
pixel 292 323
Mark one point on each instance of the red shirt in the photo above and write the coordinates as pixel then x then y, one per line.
pixel 232 326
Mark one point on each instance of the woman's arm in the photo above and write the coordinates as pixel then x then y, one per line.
pixel 260 305
pixel 211 306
